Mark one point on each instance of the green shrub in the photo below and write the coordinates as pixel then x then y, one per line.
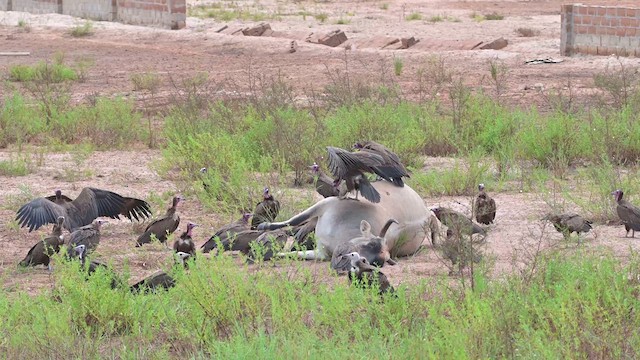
pixel 82 30
pixel 571 306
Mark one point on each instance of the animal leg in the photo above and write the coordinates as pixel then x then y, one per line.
pixel 304 255
pixel 392 262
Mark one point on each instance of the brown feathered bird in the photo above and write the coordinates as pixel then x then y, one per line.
pixel 90 204
pixel 40 253
pixel 392 167
pixel 89 236
pixel 81 252
pixel 164 226
pixel 366 275
pixel 484 207
pixel 352 168
pixel 628 213
pixel 185 243
pixel 153 283
pixel 457 222
pixel 225 232
pixel 569 222
pixel 325 185
pixel 266 211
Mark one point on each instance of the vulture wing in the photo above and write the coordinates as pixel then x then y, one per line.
pixel 39 212
pixel 343 163
pixel 93 203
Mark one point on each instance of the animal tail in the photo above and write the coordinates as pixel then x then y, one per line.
pixel 368 191
pixel 209 245
pixel 145 238
pixel 386 226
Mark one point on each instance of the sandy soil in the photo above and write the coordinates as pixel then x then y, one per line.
pixel 120 50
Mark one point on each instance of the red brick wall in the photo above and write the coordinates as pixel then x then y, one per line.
pixel 600 30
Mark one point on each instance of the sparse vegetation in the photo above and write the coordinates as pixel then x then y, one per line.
pixel 527 32
pixel 82 30
pixel 493 16
pixel 24 25
pixel 322 17
pixel 384 6
pixel 524 316
pixel 414 16
pixel 436 18
pixel 398 65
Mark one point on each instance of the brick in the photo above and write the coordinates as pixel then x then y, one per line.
pixel 333 38
pixel 256 30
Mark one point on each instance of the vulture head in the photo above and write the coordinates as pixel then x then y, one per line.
pixel 266 194
pixel 246 217
pixel 358 146
pixel 204 170
pixel 98 223
pixel 480 187
pixel 354 257
pixel 315 168
pixel 176 200
pixel 58 194
pixel 617 194
pixel 80 249
pixel 190 227
pixel 182 256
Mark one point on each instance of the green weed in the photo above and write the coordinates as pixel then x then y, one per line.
pixel 82 30
pixel 414 16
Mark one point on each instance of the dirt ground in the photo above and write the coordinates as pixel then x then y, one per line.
pixel 119 50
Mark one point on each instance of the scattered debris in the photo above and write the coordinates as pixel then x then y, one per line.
pixel 543 61
pixel 16 53
pixel 293 47
pixel 257 30
pixel 222 28
pixel 332 39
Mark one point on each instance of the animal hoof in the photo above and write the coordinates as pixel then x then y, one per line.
pixel 263 226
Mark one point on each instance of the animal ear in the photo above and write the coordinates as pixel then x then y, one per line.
pixel 365 228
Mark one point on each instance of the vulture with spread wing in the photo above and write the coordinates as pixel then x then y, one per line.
pixel 89 205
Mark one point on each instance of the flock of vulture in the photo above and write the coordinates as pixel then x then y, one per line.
pixel 80 217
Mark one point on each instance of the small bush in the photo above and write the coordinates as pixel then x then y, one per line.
pixel 24 25
pixel 436 18
pixel 493 16
pixel 82 30
pixel 527 32
pixel 322 17
pixel 414 16
pixel 384 6
pixel 55 73
pixel 398 65
pixel 14 167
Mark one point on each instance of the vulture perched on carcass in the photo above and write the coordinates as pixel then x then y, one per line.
pixel 90 204
pixel 392 168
